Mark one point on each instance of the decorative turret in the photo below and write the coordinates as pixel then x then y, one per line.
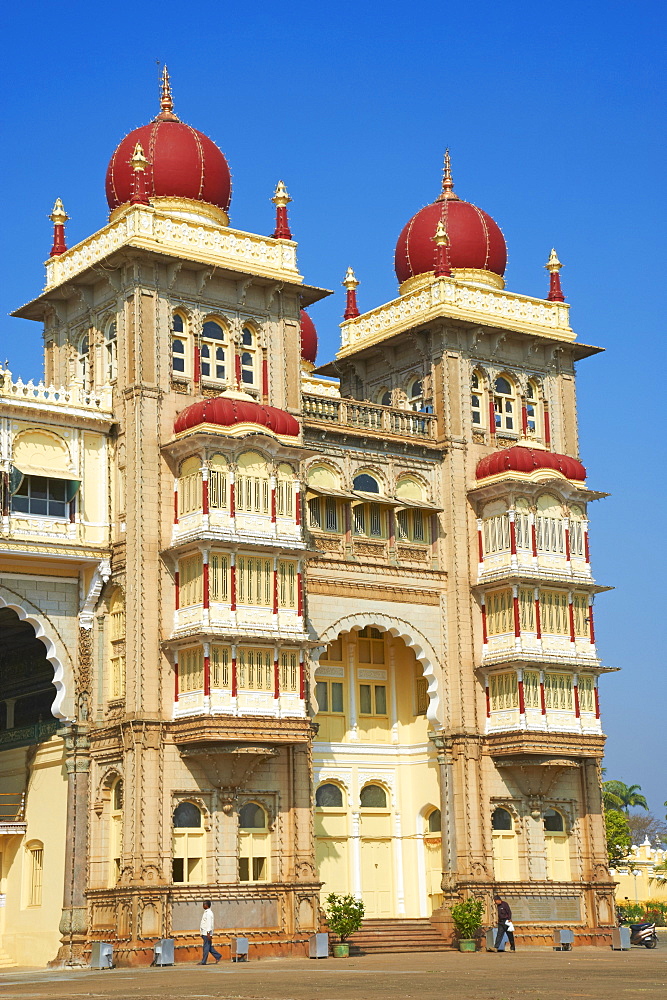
pixel 139 164
pixel 553 266
pixel 447 193
pixel 281 200
pixel 350 282
pixel 441 240
pixel 58 217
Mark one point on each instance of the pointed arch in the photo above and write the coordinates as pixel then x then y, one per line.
pixel 438 709
pixel 56 653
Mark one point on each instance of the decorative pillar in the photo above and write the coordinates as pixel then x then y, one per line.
pixel 538 615
pixel 480 544
pixel 58 217
pixel 441 239
pixel 352 689
pixel 355 837
pixel 591 625
pixel 398 862
pixel 207 672
pixel 485 638
pixel 175 501
pixel 281 200
pixel 204 490
pixel 351 284
pixel 543 702
pixel 517 616
pixel 570 611
pixel 276 673
pixel 232 581
pixel 392 691
pixel 138 163
pixel 74 919
pixel 522 699
pixel 176 677
pixel 553 266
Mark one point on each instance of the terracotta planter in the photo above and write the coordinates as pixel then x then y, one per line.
pixel 341 950
pixel 467 944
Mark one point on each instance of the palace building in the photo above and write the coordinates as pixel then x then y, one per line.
pixel 269 631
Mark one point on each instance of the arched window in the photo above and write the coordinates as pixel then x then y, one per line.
pixel 35 850
pixel 373 797
pixel 557 846
pixel 415 397
pixel 111 351
pixel 550 525
pixel 212 356
pixel 366 483
pixel 249 342
pixel 329 796
pixel 324 512
pixel 368 518
pixel 504 405
pixel 188 838
pixel 384 397
pixel 84 361
pixel 477 409
pixel 412 524
pixel 532 410
pixel 189 486
pixel 254 847
pixel 116 831
pixel 117 645
pixel 178 341
pixel 434 821
pixel 505 846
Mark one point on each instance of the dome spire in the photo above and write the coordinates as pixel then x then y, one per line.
pixel 281 199
pixel 58 217
pixel 351 284
pixel 166 99
pixel 553 266
pixel 447 193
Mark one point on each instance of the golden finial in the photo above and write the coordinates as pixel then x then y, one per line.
pixel 138 161
pixel 447 193
pixel 281 198
pixel 441 238
pixel 166 100
pixel 59 215
pixel 553 264
pixel 350 281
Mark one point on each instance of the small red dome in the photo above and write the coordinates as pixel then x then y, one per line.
pixel 227 411
pixel 183 163
pixel 475 240
pixel 520 459
pixel 308 338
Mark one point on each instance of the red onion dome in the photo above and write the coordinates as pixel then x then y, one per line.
pixel 308 338
pixel 527 460
pixel 475 240
pixel 229 410
pixel 182 162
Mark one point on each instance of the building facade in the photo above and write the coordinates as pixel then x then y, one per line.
pixel 268 631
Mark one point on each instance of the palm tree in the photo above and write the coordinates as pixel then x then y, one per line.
pixel 617 795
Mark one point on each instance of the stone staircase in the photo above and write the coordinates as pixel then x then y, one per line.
pixel 398 935
pixel 6 962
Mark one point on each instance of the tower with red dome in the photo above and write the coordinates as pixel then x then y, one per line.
pixel 329 629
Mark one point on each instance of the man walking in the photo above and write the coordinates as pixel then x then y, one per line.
pixel 206 931
pixel 505 925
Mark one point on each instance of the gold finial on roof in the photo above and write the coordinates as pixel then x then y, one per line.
pixel 59 215
pixel 441 238
pixel 447 193
pixel 166 100
pixel 138 161
pixel 281 198
pixel 350 280
pixel 553 264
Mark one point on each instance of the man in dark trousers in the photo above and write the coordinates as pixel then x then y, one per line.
pixel 206 929
pixel 504 918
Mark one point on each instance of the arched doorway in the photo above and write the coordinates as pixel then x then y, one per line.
pixel 27 691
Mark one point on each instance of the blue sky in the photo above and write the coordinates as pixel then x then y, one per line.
pixel 555 116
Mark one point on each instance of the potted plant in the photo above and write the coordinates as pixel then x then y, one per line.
pixel 344 915
pixel 467 917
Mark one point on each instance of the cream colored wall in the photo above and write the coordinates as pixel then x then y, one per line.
pixel 640 887
pixel 29 934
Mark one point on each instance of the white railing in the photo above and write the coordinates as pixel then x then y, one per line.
pixel 37 392
pixel 385 419
pixel 456 298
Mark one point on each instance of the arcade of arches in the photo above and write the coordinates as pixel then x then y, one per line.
pixel 26 676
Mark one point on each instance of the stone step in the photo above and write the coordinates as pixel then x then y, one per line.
pixel 400 935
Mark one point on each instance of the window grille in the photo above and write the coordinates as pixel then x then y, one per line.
pixel 219 577
pixel 527 609
pixel 500 612
pixel 191 669
pixel 289 670
pixel 331 514
pixel 581 614
pixel 586 693
pixel 36 876
pixel 504 692
pixel 314 514
pixel 217 489
pixel 550 534
pixel 496 534
pixel 287 578
pixel 523 533
pixel 554 612
pixel 253 580
pixel 221 658
pixel 285 498
pixel 252 494
pixel 191 581
pixel 531 689
pixel 189 493
pixel 421 693
pixel 558 691
pixel 255 669
pixel 117 676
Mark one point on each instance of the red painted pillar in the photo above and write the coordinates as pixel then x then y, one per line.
pixel 299 580
pixel 177 591
pixel 480 542
pixel 205 582
pixel 234 678
pixel 492 417
pixel 176 677
pixel 547 424
pixel 524 419
pixel 273 502
pixel 538 617
pixel 232 583
pixel 570 608
pixel 302 678
pixel 533 536
pixel 204 491
pixel 567 543
pixel 175 501
pixel 577 711
pixel 591 626
pixel 197 366
pixel 265 378
pixel 275 589
pixel 485 637
pixel 517 615
pixel 512 533
pixel 597 699
pixel 543 701
pixel 232 498
pixel 237 367
pixel 587 551
pixel 522 699
pixel 207 670
pixel 488 698
pixel 276 678
pixel 297 505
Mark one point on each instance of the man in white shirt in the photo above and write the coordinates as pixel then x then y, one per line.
pixel 206 931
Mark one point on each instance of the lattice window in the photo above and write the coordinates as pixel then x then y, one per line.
pixel 221 665
pixel 189 487
pixel 496 534
pixel 117 687
pixel 191 669
pixel 558 692
pixel 219 577
pixel 190 577
pixel 255 669
pixel 289 670
pixel 411 526
pixel 550 534
pixel 287 584
pixel 252 494
pixel 421 692
pixel 531 689
pixel 500 612
pixel 217 489
pixel 315 513
pixel 586 693
pixel 254 580
pixel 36 876
pixel 504 692
pixel 527 609
pixel 581 614
pixel 554 612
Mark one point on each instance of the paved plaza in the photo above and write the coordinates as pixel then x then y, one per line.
pixel 596 974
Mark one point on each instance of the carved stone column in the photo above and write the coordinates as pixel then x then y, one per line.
pixel 74 919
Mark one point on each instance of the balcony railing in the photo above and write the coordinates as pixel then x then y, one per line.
pixel 50 396
pixel 369 416
pixel 12 807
